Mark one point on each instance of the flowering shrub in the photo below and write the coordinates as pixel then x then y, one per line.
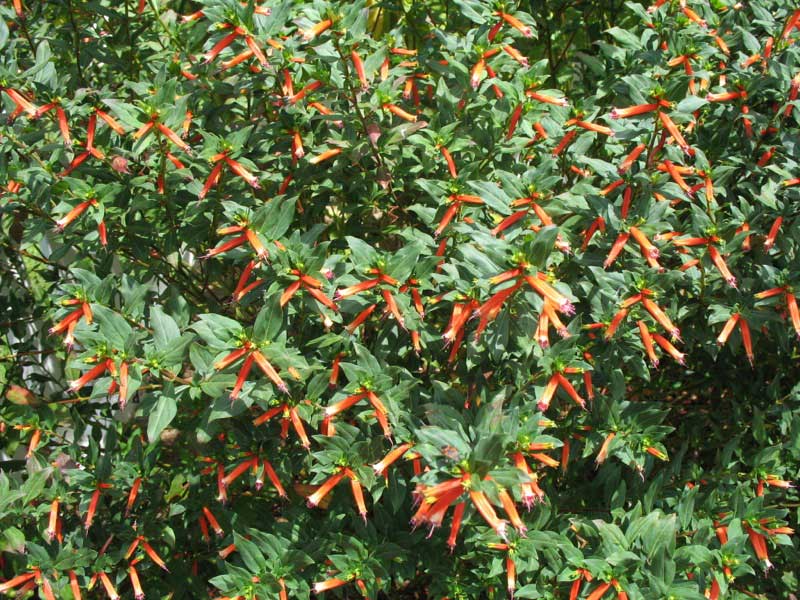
pixel 402 299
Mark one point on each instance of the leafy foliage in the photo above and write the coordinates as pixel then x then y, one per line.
pixel 281 278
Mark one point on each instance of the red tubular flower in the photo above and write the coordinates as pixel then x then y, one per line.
pixel 212 521
pixel 746 341
pixel 360 318
pixel 565 141
pixel 648 249
pixel 773 233
pixel 794 313
pixel 615 323
pixel 132 495
pixel 358 64
pixel 90 375
pixel 759 543
pixel 631 158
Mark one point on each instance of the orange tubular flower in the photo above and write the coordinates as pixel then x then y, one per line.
pixel 599 591
pixel 602 129
pixel 135 583
pixel 516 24
pixel 21 102
pixel 314 499
pixel 328 154
pixel 660 316
pixel 545 290
pixel 329 584
pixel 37 434
pixel 648 249
pixel 603 454
pixel 694 17
pixel 484 507
pixel 549 391
pixel 546 98
pixel 730 324
pixel 451 165
pixel 616 248
pixel 667 346
pixel 647 341
pixel 270 371
pixel 73 585
pixel 719 262
pixel 726 96
pixel 358 494
pixel 516 55
pixel 360 318
pixel 633 111
pixel 673 131
pixel 16 581
pixel 109 587
pixel 52 524
pixel 393 455
pixel 396 110
pixel 74 213
pixel 314 31
pixel 511 511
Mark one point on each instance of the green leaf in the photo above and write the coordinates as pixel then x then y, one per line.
pixel 250 554
pixel 165 329
pixel 542 246
pixel 161 415
pixel 274 219
pixel 112 326
pixel 690 104
pixel 625 38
